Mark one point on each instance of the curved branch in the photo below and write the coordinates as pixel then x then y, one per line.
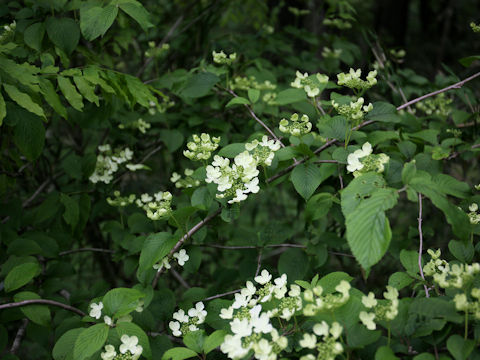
pixel 44 302
pixel 457 85
pixel 67 252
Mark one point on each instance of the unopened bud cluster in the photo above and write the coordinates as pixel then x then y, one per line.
pixel 222 58
pixel 352 79
pixel 297 126
pixel 201 147
pixel 353 112
pixel 438 105
pixel 139 124
pixel 245 83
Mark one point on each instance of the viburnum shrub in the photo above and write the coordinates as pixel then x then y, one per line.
pixel 171 193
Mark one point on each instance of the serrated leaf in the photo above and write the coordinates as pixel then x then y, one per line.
pixel 64 345
pixel 64 33
pixel 459 347
pixel 24 100
pixel 136 10
pixel 121 301
pixel 155 247
pixel 140 92
pixel 90 341
pixel 237 101
pixel 214 340
pixel 318 206
pixel 21 275
pixel 253 95
pixel 194 340
pixel 293 262
pixel 232 150
pixel 95 20
pixel 383 112
pixel 39 314
pixel 86 89
pixel 199 85
pixel 463 251
pixel 70 93
pixel 29 133
pixel 399 280
pixel 33 35
pixel 408 172
pixel 306 178
pixel 290 96
pixel 51 97
pixel 178 353
pixel 72 211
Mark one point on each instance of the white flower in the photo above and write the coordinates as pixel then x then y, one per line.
pixel 321 329
pixel 175 327
pixel 294 290
pixel 96 310
pixel 240 301
pixel 226 313
pixel 108 320
pixel 232 346
pixel 367 320
pixel 335 330
pixel 369 301
pixel 180 316
pixel 129 343
pixel 263 350
pixel 241 328
pixel 252 186
pixel 309 341
pixel 263 278
pixel 281 281
pixel 181 257
pixel 473 207
pixel 109 353
pixel 198 311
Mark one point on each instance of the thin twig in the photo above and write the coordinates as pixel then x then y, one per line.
pixel 73 251
pixel 252 246
pixel 42 301
pixel 180 242
pixel 259 262
pixel 326 161
pixel 19 336
pixel 180 279
pixel 221 295
pixel 457 85
pixel 37 192
pixel 420 248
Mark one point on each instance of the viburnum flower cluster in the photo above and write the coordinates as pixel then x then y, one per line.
pixel 312 84
pixel 328 348
pixel 362 161
pixel 353 81
pixel 469 305
pixel 181 256
pixel 297 126
pixel 201 147
pixel 157 206
pixel 139 124
pixel 379 310
pixel 252 329
pixel 222 58
pixel 473 215
pixel 353 112
pixel 128 350
pixel 121 201
pixel 239 179
pixel 475 27
pixel 108 162
pixel 184 323
pixel 316 302
pixel 187 182
pixel 438 105
pixel 245 83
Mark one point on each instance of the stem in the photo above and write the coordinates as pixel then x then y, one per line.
pixel 67 252
pixel 389 334
pixel 420 249
pixel 45 302
pixel 466 325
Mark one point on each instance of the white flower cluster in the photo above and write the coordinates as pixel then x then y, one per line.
pixel 139 124
pixel 186 182
pixel 181 256
pixel 332 54
pixel 251 328
pixel 201 147
pixel 385 311
pixel 473 215
pixel 438 105
pixel 297 126
pixel 317 302
pixel 222 58
pixel 352 79
pixel 9 30
pixel 362 161
pixel 329 347
pixel 462 303
pixel 188 322
pixel 435 265
pixel 245 83
pixel 353 112
pixel 121 201
pixel 263 152
pixel 108 162
pixel 129 349
pixel 157 206
pixel 312 84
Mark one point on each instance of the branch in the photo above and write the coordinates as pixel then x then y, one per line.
pixel 19 336
pixel 180 242
pixel 457 85
pixel 42 301
pixel 420 248
pixel 181 280
pixel 221 295
pixel 67 252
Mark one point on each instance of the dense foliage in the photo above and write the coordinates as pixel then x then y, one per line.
pixel 238 179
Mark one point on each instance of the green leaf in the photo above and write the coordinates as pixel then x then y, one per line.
pixel 140 92
pixel 33 35
pixel 459 347
pixel 86 89
pixel 51 97
pixel 463 251
pixel 132 329
pixel 293 262
pixel 383 112
pixel 21 275
pixel 23 99
pixel 424 356
pixel 136 10
pixel 318 206
pixel 330 281
pixel 155 247
pixel 451 186
pixel 409 260
pixel 70 93
pixel 90 341
pixel 201 198
pixel 290 96
pixel 72 211
pixel 39 314
pixel 214 340
pixel 172 138
pixel 29 132
pixel 64 345
pixel 359 336
pixel 237 101
pixel 64 33
pixel 399 280
pixel 121 301
pixel 194 340
pixel 408 172
pixel 95 20
pixel 467 61
pixel 385 353
pixel 3 109
pixel 368 229
pixel 178 353
pixel 232 150
pixel 253 95
pixel 306 178
pixel 199 85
